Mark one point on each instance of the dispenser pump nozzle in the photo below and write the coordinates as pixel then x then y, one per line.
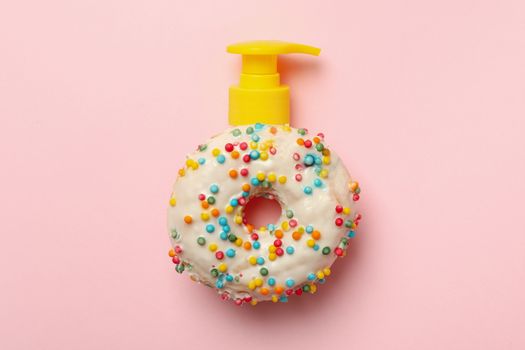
pixel 260 97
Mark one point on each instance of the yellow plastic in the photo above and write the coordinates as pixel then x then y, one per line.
pixel 260 97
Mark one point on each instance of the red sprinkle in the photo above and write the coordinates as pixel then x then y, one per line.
pixel 243 146
pixel 178 249
pixel 339 209
pixel 202 197
pixel 244 171
pixel 307 143
pixel 175 260
pixel 228 147
pixel 338 251
pixel 277 243
pixel 338 221
pixel 279 251
pixel 298 177
pixel 219 255
pixel 255 236
pixel 298 291
pixel 246 158
pixel 356 197
pixel 242 201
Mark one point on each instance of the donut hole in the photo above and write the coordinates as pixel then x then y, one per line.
pixel 261 211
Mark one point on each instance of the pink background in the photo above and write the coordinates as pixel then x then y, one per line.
pixel 101 100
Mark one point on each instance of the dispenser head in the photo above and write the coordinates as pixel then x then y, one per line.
pixel 260 97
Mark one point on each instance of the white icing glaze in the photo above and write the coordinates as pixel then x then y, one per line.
pixel 316 210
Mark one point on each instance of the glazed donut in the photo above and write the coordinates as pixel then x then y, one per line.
pixel 215 245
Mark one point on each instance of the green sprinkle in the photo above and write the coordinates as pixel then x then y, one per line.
pixel 201 241
pixel 249 130
pixel 232 237
pixel 348 223
pixel 289 214
pixel 263 271
pixel 319 147
pixel 202 148
pixel 211 200
pixel 236 132
pixel 214 272
pixel 326 250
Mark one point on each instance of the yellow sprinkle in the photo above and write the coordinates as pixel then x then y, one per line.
pixel 354 226
pixel 272 256
pixel 326 160
pixel 272 249
pixel 275 298
pixel 229 209
pixel 353 186
pixel 216 152
pixel 313 288
pixel 272 177
pixel 346 210
pixel 282 179
pixel 263 146
pixel 253 260
pixel 327 271
pixel 310 242
pixel 173 201
pixel 238 219
pixel 262 228
pixel 222 267
pixel 259 282
pixel 251 285
pixel 182 172
pixel 253 302
pixel 285 225
pixel 324 173
pixel 264 155
pixel 194 165
pixel 212 247
pixel 301 229
pixel 205 216
pixel 286 127
pixel 253 145
pixel 261 176
pixel 320 275
pixel 238 242
pixel 189 162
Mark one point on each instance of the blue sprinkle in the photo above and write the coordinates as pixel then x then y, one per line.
pixel 270 227
pixel 254 154
pixel 316 247
pixel 223 236
pixel 201 161
pixel 230 253
pixel 283 298
pixel 234 202
pixel 229 278
pixel 260 260
pixel 246 194
pixel 259 126
pixel 271 281
pixel 256 245
pixel 290 250
pixel 318 183
pixel 210 228
pixel 311 276
pixel 221 158
pixel 308 190
pixel 219 284
pixel 290 282
pixel 309 229
pixel 223 221
pixel 214 188
pixel 317 170
pixel 255 181
pixel 321 281
pixel 226 228
pixel 308 160
pixel 255 137
pixel 318 161
pixel 351 234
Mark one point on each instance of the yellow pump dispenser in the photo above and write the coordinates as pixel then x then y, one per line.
pixel 260 97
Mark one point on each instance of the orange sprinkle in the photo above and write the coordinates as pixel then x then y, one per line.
pixel 247 245
pixel 205 204
pixel 279 234
pixel 246 187
pixel 264 291
pixel 316 235
pixel 235 154
pixel 250 228
pixel 317 139
pixel 171 253
pixel 273 130
pixel 188 219
pixel 296 235
pixel 215 212
pixel 278 290
pixel 233 173
pixel 300 141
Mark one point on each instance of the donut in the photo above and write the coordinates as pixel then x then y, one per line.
pixel 211 238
